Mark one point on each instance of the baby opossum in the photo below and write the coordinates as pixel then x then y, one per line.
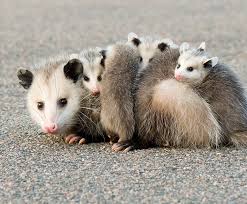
pixel 93 68
pixel 117 117
pixel 190 67
pixel 221 89
pixel 59 103
pixel 147 46
pixel 170 113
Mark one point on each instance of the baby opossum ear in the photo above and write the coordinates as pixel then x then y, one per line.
pixel 26 77
pixel 73 70
pixel 210 63
pixel 183 47
pixel 202 46
pixel 102 61
pixel 162 46
pixel 132 37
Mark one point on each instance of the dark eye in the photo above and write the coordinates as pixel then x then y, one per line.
pixel 62 102
pixel 40 105
pixel 178 66
pixel 99 78
pixel 151 59
pixel 190 69
pixel 141 59
pixel 85 78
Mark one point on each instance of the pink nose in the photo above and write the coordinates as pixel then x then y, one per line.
pixel 50 128
pixel 178 77
pixel 95 92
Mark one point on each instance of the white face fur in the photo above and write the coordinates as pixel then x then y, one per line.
pixel 92 69
pixel 147 47
pixel 92 75
pixel 53 101
pixel 193 68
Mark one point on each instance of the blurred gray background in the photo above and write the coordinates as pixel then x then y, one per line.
pixel 37 168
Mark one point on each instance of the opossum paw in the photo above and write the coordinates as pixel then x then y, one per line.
pixel 73 139
pixel 122 146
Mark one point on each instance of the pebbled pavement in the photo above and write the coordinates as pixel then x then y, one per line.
pixel 35 168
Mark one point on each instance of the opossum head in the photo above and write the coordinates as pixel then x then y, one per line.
pixel 193 64
pixel 93 67
pixel 54 95
pixel 147 47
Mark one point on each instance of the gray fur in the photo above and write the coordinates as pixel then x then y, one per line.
pixel 223 91
pixel 156 127
pixel 153 126
pixel 117 117
pixel 88 124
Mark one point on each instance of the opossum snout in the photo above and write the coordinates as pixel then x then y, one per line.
pixel 95 92
pixel 178 77
pixel 50 128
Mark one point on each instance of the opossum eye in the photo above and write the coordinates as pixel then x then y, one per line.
pixel 141 59
pixel 99 78
pixel 190 69
pixel 178 66
pixel 62 102
pixel 85 78
pixel 151 59
pixel 40 105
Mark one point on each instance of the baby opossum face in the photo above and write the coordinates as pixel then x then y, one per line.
pixel 92 75
pixel 147 47
pixel 93 67
pixel 193 65
pixel 53 98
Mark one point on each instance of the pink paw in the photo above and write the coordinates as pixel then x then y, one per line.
pixel 73 139
pixel 122 146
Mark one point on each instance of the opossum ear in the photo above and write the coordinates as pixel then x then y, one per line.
pixel 202 46
pixel 169 42
pixel 73 70
pixel 210 63
pixel 26 77
pixel 183 47
pixel 162 46
pixel 102 61
pixel 132 37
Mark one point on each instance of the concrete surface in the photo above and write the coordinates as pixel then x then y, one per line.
pixel 35 168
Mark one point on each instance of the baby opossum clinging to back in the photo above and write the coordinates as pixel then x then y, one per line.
pixel 220 88
pixel 117 100
pixel 147 46
pixel 59 103
pixel 170 113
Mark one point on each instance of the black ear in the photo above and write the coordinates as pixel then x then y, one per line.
pixel 136 42
pixel 26 78
pixel 208 64
pixel 73 70
pixel 162 46
pixel 103 53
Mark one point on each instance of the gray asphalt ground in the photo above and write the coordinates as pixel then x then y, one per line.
pixel 35 168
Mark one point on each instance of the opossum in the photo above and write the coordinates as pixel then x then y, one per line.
pixel 170 113
pixel 220 87
pixel 117 102
pixel 147 47
pixel 93 67
pixel 58 101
